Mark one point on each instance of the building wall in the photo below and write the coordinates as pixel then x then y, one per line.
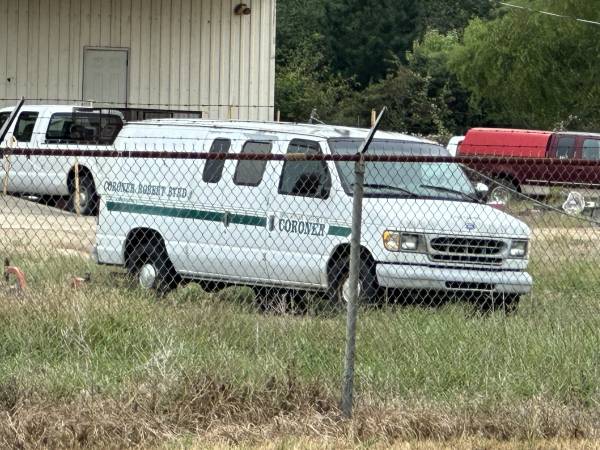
pixel 183 54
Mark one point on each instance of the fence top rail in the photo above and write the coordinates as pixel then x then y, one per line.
pixel 83 153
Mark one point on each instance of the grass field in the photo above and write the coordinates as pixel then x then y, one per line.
pixel 110 364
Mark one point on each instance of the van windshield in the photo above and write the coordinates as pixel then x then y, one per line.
pixel 404 179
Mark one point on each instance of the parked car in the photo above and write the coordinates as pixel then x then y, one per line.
pixel 58 127
pixel 534 179
pixel 288 224
pixel 453 144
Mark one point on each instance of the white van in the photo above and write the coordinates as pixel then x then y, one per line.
pixel 57 127
pixel 288 224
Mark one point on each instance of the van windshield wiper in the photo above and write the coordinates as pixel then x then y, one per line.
pixel 391 188
pixel 450 191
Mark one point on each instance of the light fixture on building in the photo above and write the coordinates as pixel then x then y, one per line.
pixel 242 10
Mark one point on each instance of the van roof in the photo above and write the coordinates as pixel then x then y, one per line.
pixel 39 108
pixel 52 108
pixel 308 130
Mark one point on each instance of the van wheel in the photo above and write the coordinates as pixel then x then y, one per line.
pixel 88 197
pixel 367 282
pixel 503 191
pixel 149 265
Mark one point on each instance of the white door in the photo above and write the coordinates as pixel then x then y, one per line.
pixel 229 235
pixel 303 208
pixel 105 76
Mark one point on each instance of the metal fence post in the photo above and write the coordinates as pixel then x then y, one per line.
pixel 77 198
pixel 352 313
pixel 348 382
pixel 6 174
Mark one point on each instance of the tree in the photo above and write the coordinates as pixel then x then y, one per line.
pixel 298 23
pixel 305 83
pixel 364 38
pixel 410 107
pixel 430 58
pixel 448 15
pixel 531 70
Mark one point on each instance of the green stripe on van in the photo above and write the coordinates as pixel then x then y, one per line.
pixel 340 231
pixel 209 216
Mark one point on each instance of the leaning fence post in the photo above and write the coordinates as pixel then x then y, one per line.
pixel 6 174
pixel 77 198
pixel 352 313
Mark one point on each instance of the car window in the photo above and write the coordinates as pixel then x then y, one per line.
pixel 213 169
pixel 305 178
pixel 25 125
pixel 566 148
pixel 248 172
pixel 591 150
pixel 83 128
pixel 3 118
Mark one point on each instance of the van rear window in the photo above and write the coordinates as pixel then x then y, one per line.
pixel 213 169
pixel 250 173
pixel 83 128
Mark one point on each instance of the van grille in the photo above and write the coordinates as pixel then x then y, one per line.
pixel 467 250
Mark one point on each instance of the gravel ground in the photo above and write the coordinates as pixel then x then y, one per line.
pixel 34 227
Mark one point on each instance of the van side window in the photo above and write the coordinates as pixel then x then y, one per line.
pixel 591 150
pixel 250 173
pixel 566 148
pixel 305 178
pixel 213 169
pixel 24 128
pixel 83 128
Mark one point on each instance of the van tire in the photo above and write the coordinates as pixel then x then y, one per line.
pixel 88 196
pixel 340 272
pixel 151 269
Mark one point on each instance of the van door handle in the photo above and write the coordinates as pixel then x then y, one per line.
pixel 271 223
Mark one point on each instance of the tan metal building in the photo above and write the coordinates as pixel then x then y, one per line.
pixel 216 57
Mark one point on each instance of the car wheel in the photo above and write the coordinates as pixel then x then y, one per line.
pixel 367 283
pixel 502 191
pixel 88 197
pixel 149 265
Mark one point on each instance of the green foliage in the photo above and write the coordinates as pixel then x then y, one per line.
pixel 410 107
pixel 366 37
pixel 306 82
pixel 298 25
pixel 430 58
pixel 531 70
pixel 448 15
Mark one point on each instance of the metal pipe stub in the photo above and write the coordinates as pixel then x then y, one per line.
pixel 17 273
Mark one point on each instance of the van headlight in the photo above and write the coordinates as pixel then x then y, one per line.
pixel 519 249
pixel 394 241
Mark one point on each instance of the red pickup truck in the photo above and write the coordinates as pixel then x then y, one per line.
pixel 533 179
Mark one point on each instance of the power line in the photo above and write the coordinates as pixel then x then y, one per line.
pixel 547 13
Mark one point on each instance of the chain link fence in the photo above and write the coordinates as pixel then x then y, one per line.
pixel 220 252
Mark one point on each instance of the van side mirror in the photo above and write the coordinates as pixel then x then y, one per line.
pixel 482 190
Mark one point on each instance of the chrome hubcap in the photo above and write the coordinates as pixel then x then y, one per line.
pixel 345 293
pixel 147 276
pixel 83 198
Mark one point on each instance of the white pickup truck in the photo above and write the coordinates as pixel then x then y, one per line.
pixel 60 127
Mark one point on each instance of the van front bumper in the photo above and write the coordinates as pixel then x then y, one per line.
pixel 398 276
